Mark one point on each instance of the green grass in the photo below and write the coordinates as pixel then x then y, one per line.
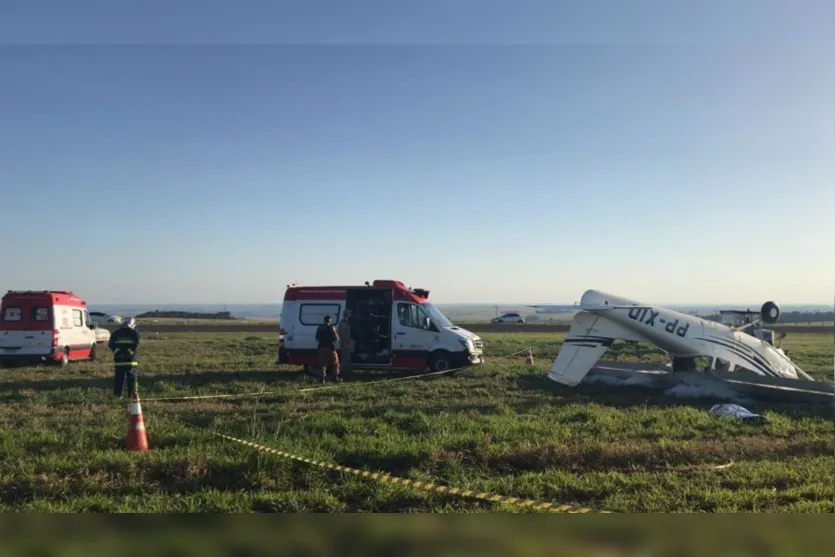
pixel 502 427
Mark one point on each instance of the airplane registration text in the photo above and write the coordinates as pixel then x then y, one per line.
pixel 648 317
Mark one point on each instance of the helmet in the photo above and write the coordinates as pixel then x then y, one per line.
pixel 130 322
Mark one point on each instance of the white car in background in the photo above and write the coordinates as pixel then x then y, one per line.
pixel 102 335
pixel 509 317
pixel 101 318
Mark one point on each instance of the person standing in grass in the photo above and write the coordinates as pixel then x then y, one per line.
pixel 124 343
pixel 326 338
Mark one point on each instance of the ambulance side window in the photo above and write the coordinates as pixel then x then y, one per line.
pixel 314 314
pixel 77 318
pixel 410 315
pixel 40 314
pixel 12 314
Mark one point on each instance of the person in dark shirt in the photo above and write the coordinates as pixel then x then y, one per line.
pixel 326 339
pixel 124 342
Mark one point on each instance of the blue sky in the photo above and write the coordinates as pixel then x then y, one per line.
pixel 687 170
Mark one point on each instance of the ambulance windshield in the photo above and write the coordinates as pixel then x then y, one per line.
pixel 437 317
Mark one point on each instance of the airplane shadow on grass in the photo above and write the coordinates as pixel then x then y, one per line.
pixel 648 396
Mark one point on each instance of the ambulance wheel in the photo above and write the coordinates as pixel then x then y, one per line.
pixel 93 353
pixel 440 361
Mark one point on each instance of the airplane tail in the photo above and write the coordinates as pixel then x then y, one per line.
pixel 588 338
pixel 581 350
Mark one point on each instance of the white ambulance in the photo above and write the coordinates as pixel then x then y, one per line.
pixel 394 327
pixel 51 325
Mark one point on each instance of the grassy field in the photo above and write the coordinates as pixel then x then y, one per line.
pixel 502 427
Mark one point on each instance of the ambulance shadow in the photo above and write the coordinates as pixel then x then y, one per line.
pixel 629 396
pixel 367 375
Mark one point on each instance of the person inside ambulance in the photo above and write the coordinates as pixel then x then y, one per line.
pixel 326 338
pixel 124 343
pixel 402 315
pixel 346 342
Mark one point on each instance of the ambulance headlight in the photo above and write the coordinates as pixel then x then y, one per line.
pixel 467 343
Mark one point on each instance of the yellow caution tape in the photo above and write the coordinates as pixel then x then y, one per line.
pixel 201 397
pixel 425 486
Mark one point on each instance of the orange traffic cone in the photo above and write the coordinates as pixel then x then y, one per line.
pixel 137 437
pixel 529 357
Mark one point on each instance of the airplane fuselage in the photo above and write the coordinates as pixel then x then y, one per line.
pixel 685 336
pixel 672 331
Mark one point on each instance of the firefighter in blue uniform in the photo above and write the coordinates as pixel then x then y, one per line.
pixel 124 343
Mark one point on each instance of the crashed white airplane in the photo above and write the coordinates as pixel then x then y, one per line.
pixel 604 318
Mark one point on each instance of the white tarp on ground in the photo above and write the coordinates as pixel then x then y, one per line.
pixel 733 411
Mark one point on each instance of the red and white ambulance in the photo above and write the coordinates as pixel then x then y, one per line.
pixel 51 325
pixel 394 327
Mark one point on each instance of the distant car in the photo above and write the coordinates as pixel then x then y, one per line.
pixel 510 317
pixel 102 335
pixel 101 318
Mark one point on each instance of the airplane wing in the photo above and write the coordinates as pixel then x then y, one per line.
pixel 588 338
pixel 555 308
